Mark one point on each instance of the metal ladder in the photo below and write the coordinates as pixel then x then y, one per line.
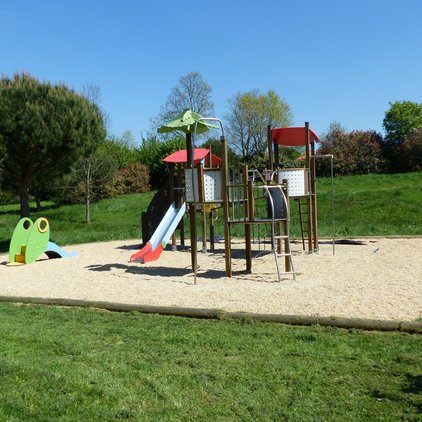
pixel 286 237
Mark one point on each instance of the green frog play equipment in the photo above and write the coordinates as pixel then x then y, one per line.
pixel 30 240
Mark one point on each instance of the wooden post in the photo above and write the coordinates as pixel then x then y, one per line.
pixel 286 228
pixel 201 194
pixel 212 243
pixel 192 211
pixel 270 148
pixel 247 194
pixel 224 190
pixel 182 221
pixel 171 194
pixel 309 193
pixel 314 198
pixel 276 155
pixel 279 224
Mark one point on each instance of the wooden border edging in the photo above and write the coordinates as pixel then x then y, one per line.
pixel 338 322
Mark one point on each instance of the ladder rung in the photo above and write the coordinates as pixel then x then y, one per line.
pixel 281 237
pixel 284 254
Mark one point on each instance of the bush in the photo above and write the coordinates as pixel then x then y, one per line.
pixel 122 152
pixel 357 152
pixel 410 151
pixel 217 149
pixel 152 152
pixel 132 179
pixel 7 197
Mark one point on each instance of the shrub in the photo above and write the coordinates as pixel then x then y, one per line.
pixel 357 152
pixel 122 152
pixel 411 151
pixel 152 152
pixel 132 179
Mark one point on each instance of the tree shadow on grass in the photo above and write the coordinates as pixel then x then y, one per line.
pixel 413 384
pixel 32 210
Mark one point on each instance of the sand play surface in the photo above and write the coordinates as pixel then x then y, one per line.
pixel 379 279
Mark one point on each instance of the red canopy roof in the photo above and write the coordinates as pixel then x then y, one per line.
pixel 292 136
pixel 198 155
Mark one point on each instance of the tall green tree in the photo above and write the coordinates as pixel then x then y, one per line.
pixel 249 115
pixel 44 129
pixel 151 154
pixel 411 151
pixel 217 149
pixel 401 120
pixel 192 92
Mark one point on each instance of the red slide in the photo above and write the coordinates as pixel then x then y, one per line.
pixel 138 256
pixel 152 250
pixel 147 254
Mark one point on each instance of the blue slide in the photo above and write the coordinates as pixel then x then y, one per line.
pixel 54 251
pixel 152 250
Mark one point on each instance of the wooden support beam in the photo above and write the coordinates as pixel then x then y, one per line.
pixel 270 148
pixel 314 199
pixel 276 156
pixel 179 204
pixel 309 193
pixel 192 212
pixel 212 242
pixel 201 194
pixel 286 229
pixel 248 195
pixel 172 198
pixel 224 190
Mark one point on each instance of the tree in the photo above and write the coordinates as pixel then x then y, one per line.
pixel 192 93
pixel 401 120
pixel 45 128
pixel 97 171
pixel 249 115
pixel 217 149
pixel 411 151
pixel 121 149
pixel 151 154
pixel 356 152
pixel 92 92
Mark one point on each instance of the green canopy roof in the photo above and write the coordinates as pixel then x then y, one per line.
pixel 185 122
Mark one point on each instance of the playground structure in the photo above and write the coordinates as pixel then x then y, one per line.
pixel 202 183
pixel 30 240
pixel 174 195
pixel 301 181
pixel 237 193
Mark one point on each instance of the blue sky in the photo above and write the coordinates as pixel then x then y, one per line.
pixel 331 60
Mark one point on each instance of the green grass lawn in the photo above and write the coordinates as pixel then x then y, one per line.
pixel 78 364
pixel 370 205
pixel 111 219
